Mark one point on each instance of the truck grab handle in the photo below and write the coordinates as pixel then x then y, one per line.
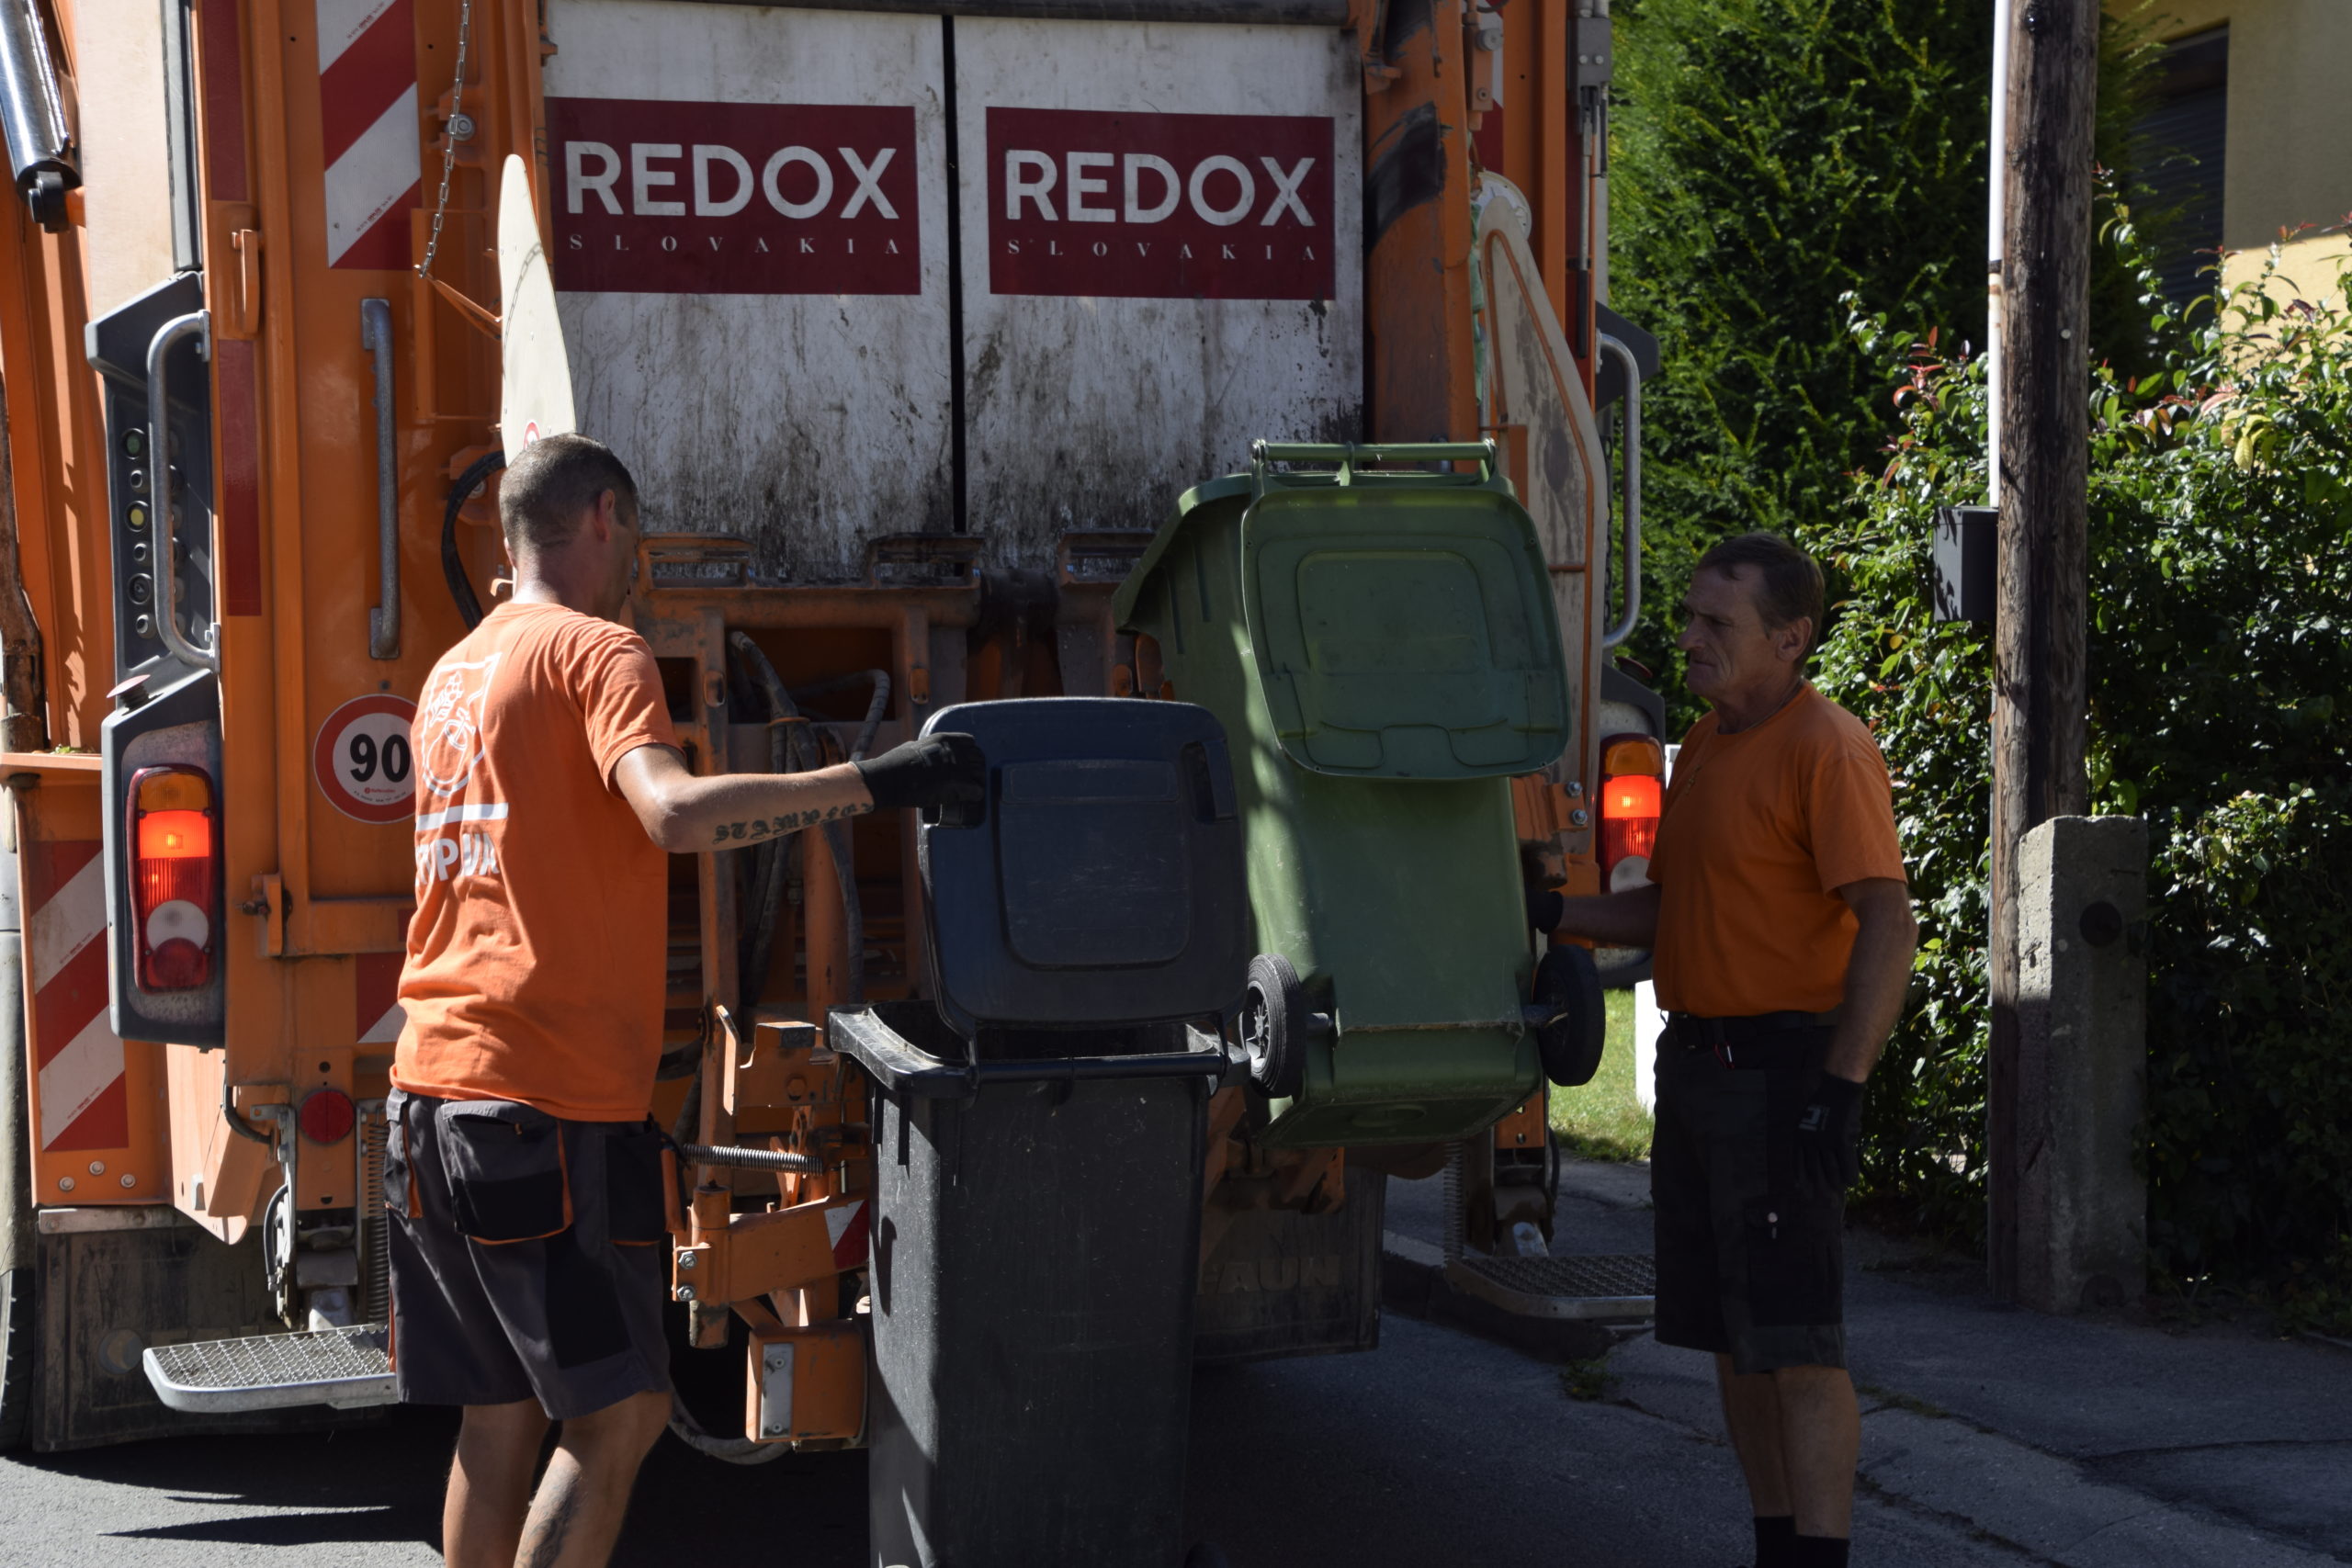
pixel 207 656
pixel 384 617
pixel 1633 368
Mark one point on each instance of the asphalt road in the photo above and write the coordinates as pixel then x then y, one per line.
pixel 1989 1437
pixel 1438 1449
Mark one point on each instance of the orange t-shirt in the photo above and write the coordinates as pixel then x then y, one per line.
pixel 1758 830
pixel 536 955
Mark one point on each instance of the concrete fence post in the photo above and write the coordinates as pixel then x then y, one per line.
pixel 2083 1063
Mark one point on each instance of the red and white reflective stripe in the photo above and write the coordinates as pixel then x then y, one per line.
pixel 85 1103
pixel 846 1226
pixel 368 123
pixel 377 983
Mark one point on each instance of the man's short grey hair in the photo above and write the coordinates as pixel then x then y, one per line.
pixel 1788 582
pixel 552 483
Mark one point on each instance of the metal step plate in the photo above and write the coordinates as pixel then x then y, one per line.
pixel 346 1368
pixel 1622 1286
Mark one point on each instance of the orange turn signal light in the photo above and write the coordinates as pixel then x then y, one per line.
pixel 1632 754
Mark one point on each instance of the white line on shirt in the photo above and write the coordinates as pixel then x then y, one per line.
pixel 431 819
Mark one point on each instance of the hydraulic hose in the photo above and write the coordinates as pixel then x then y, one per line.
pixel 453 565
pixel 880 680
pixel 788 738
pixel 771 861
pixel 237 1124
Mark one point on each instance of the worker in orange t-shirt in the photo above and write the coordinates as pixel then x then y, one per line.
pixel 1782 931
pixel 524 1169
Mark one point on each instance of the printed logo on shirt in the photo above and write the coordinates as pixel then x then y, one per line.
pixel 449 724
pixel 471 851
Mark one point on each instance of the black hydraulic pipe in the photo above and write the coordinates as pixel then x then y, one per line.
pixel 453 564
pixel 770 861
pixel 235 1118
pixel 808 760
pixel 879 680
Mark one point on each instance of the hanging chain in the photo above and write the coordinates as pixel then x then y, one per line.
pixel 457 129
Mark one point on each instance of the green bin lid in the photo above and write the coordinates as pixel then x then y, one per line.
pixel 1402 623
pixel 1211 492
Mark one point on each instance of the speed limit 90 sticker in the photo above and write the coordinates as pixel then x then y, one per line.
pixel 362 761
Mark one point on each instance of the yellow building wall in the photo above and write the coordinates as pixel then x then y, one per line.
pixel 2290 158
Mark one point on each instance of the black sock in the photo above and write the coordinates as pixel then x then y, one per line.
pixel 1774 1535
pixel 1817 1551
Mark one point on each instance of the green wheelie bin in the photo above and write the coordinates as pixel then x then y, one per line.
pixel 1381 649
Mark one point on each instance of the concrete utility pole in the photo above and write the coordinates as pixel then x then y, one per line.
pixel 2039 691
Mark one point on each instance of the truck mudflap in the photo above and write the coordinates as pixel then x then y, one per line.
pixel 347 1367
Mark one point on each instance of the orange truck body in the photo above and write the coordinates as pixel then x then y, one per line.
pixel 284 164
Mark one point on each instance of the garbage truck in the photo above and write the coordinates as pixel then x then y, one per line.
pixel 918 324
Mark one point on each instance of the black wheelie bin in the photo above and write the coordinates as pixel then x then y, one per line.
pixel 1038 1128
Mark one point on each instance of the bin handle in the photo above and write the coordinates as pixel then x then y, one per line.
pixel 1345 455
pixel 1633 490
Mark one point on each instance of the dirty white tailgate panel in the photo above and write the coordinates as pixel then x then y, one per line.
pixel 1208 160
pixel 750 249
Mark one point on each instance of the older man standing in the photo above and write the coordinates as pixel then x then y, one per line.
pixel 1783 935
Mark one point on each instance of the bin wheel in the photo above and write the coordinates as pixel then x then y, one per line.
pixel 1273 1026
pixel 1570 1017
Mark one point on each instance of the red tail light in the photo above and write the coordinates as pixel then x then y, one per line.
pixel 1633 790
pixel 173 871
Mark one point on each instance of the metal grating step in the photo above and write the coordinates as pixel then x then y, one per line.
pixel 347 1367
pixel 1594 1286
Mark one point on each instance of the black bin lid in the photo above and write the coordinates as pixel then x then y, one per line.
pixel 1102 882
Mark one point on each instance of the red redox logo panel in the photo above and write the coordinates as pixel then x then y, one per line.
pixel 662 198
pixel 1160 206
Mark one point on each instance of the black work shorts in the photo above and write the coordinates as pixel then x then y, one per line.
pixel 1750 1264
pixel 527 1255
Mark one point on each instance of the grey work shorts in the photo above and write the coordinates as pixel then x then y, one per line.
pixel 1751 1263
pixel 527 1256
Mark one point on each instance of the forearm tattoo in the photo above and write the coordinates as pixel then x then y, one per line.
pixel 735 833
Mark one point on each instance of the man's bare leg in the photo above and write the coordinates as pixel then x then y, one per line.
pixel 1820 1441
pixel 577 1512
pixel 489 1482
pixel 1752 1413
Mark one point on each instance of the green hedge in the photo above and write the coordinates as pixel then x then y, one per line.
pixel 1769 157
pixel 2220 544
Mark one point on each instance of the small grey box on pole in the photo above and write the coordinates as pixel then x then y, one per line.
pixel 2082 1209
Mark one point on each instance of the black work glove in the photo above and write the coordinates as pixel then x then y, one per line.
pixel 1545 910
pixel 1829 1134
pixel 934 770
